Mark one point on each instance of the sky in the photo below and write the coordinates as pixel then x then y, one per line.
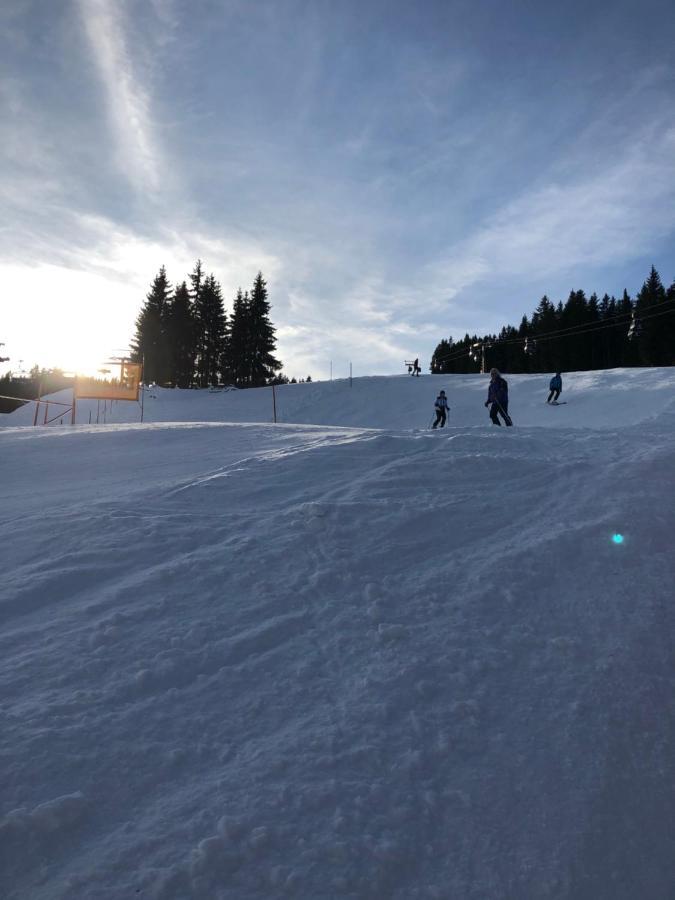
pixel 400 172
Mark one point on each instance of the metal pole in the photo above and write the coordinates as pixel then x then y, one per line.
pixel 350 374
pixel 37 408
pixel 142 385
pixel 482 359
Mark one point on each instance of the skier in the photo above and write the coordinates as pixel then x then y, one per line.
pixel 498 396
pixel 442 408
pixel 416 368
pixel 555 387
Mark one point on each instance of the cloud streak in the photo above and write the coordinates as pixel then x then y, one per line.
pixel 615 215
pixel 129 101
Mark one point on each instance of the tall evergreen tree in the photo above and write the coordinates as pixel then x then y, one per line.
pixel 196 278
pixel 653 332
pixel 211 327
pixel 544 323
pixel 262 363
pixel 669 327
pixel 235 363
pixel 440 364
pixel 150 344
pixel 181 331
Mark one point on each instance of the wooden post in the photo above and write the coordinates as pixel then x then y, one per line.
pixel 72 418
pixel 274 403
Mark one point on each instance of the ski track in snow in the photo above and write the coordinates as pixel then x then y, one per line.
pixel 247 661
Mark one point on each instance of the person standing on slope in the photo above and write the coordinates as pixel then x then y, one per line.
pixel 416 368
pixel 442 408
pixel 555 387
pixel 498 398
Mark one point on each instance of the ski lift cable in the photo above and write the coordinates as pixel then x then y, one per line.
pixel 570 331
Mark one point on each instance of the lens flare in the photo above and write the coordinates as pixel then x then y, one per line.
pixel 617 538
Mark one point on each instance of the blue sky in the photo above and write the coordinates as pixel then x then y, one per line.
pixel 399 171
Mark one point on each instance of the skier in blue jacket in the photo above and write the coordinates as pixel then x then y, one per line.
pixel 555 387
pixel 498 398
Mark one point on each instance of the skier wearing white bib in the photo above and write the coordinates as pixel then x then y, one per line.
pixel 442 408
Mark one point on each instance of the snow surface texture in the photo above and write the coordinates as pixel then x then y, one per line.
pixel 353 659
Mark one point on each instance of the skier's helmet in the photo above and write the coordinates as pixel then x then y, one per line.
pixel 494 371
pixel 443 393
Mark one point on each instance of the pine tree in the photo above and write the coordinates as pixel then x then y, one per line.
pixel 652 342
pixel 440 364
pixel 544 322
pixel 591 345
pixel 669 327
pixel 211 328
pixel 235 362
pixel 263 364
pixel 181 331
pixel 150 344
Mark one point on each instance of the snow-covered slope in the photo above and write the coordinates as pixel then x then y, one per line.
pixel 595 399
pixel 357 659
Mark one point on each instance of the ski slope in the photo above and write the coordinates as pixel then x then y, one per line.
pixel 599 399
pixel 342 656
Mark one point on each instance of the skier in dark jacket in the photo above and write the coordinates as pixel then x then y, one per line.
pixel 441 406
pixel 555 387
pixel 498 398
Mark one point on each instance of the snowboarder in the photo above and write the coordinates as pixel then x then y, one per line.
pixel 441 406
pixel 416 368
pixel 498 396
pixel 555 387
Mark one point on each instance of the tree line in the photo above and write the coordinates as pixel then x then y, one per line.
pixel 38 381
pixel 186 339
pixel 583 333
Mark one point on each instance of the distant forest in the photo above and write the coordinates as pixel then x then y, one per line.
pixel 38 381
pixel 583 333
pixel 185 338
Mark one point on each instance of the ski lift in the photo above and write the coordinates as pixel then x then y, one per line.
pixel 635 327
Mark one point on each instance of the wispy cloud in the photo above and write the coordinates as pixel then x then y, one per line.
pixel 617 214
pixel 129 101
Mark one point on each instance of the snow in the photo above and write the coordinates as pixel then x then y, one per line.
pixel 344 655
